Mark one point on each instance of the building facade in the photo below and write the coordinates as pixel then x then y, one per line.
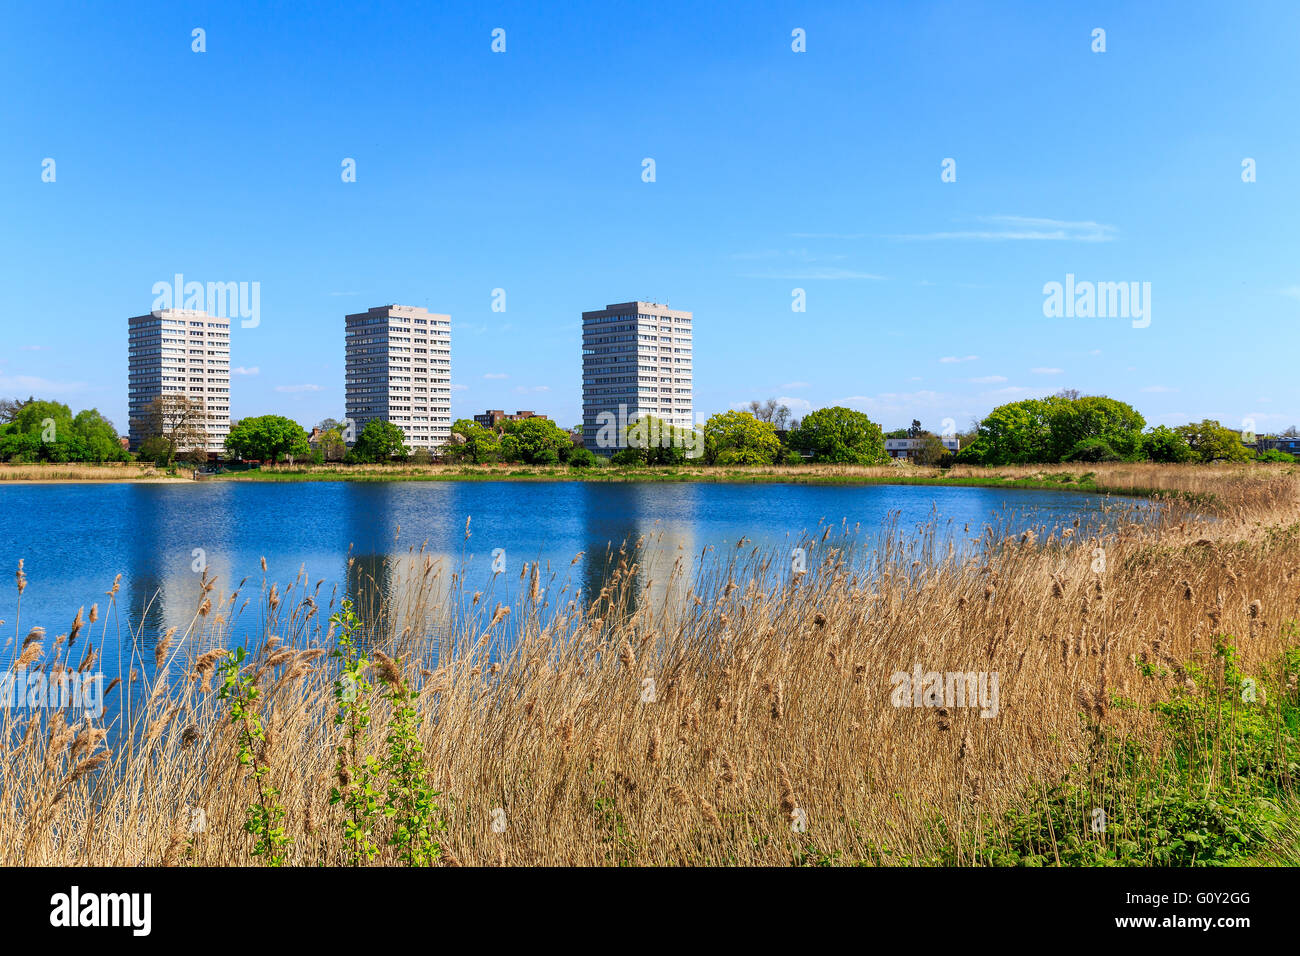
pixel 908 448
pixel 185 353
pixel 398 360
pixel 495 416
pixel 636 360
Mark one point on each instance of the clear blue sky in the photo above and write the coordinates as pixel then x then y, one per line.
pixel 775 170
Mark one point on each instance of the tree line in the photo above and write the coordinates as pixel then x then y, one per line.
pixel 1066 427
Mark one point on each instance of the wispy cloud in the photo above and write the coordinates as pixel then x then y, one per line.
pixel 524 389
pixel 240 370
pixel 1043 370
pixel 828 235
pixel 949 359
pixel 459 388
pixel 495 375
pixel 893 406
pixel 1292 292
pixel 816 274
pixel 793 385
pixel 34 384
pixel 299 388
pixel 1013 390
pixel 987 380
pixel 1026 228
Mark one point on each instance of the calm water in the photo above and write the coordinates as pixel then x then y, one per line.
pixel 76 538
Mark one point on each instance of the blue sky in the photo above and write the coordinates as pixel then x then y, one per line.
pixel 775 170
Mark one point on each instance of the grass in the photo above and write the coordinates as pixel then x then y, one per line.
pixel 106 471
pixel 733 715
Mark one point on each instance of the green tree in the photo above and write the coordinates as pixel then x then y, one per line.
pixel 1164 444
pixel 99 436
pixel 932 451
pixel 652 441
pixel 738 438
pixel 1210 441
pixel 378 441
pixel 1093 419
pixel 840 435
pixel 1014 433
pixel 471 442
pixel 268 438
pixel 535 441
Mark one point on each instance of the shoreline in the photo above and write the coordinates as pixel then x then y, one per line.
pixel 1041 478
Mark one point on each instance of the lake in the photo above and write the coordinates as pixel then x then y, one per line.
pixel 75 538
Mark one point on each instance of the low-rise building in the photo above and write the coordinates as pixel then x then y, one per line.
pixel 493 417
pixel 909 448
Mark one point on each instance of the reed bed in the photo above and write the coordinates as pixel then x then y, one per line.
pixel 730 712
pixel 74 471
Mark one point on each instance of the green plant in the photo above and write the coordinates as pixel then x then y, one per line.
pixel 265 818
pixel 409 801
pixel 355 791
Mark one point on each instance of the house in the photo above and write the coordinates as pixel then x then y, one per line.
pixel 907 448
pixel 1290 445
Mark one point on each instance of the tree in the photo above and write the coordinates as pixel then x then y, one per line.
pixel 652 441
pixel 379 441
pixel 931 451
pixel 840 435
pixel 98 436
pixel 332 445
pixel 180 423
pixel 916 431
pixel 738 438
pixel 1014 433
pixel 535 441
pixel 1164 444
pixel 1094 418
pixel 771 411
pixel 471 442
pixel 10 407
pixel 1210 441
pixel 268 438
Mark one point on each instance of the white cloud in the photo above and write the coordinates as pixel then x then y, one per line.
pixel 790 386
pixel 1292 292
pixel 949 359
pixel 828 235
pixel 459 388
pixel 1027 228
pixel 522 389
pixel 240 370
pixel 893 406
pixel 987 380
pixel 299 388
pixel 815 274
pixel 35 385
pixel 795 404
pixel 495 375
